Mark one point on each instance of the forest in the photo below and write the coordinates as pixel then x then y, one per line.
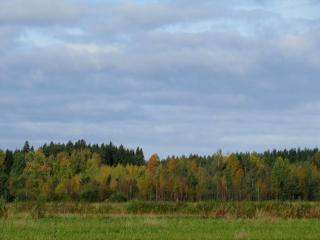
pixel 77 171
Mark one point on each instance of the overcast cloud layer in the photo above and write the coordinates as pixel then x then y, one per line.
pixel 170 76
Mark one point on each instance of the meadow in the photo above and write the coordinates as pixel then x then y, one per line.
pixel 160 220
pixel 155 227
pixel 213 209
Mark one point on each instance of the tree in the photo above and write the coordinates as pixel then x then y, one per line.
pixel 171 170
pixel 236 172
pixel 153 162
pixel 18 163
pixel 4 191
pixel 103 178
pixel 280 178
pixel 26 147
pixel 202 184
pixel 8 161
pixel 144 184
pixel 139 157
pixel 98 172
pixel 257 178
pixel 2 157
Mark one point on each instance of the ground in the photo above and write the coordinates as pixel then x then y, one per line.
pixel 155 227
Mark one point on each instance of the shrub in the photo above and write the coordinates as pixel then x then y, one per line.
pixel 104 208
pixel 117 197
pixel 24 195
pixel 38 210
pixel 89 195
pixel 3 209
pixel 153 207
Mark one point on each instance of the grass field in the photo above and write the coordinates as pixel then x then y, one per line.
pixel 155 227
pixel 160 220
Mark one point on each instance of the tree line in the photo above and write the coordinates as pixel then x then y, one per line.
pixel 83 172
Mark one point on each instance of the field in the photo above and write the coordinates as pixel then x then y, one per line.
pixel 155 227
pixel 160 220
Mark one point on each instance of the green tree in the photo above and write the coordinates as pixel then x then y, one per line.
pixel 26 147
pixel 2 157
pixel 280 178
pixel 8 161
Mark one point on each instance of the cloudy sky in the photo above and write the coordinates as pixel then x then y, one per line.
pixel 171 76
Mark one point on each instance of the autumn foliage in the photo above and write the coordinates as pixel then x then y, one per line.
pixel 96 173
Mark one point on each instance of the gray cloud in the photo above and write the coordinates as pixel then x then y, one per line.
pixel 171 77
pixel 40 12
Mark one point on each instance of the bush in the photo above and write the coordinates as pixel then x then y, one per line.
pixel 24 196
pixel 117 197
pixel 154 207
pixel 38 210
pixel 3 209
pixel 89 195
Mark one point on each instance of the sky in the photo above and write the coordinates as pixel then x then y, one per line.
pixel 170 76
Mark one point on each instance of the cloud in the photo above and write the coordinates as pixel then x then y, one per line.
pixel 301 47
pixel 39 12
pixel 169 76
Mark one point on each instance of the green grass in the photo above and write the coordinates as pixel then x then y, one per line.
pixel 162 220
pixel 155 227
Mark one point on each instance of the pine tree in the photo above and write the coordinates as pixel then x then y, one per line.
pixel 26 147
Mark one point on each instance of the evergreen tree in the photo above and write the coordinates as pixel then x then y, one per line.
pixel 18 163
pixel 8 161
pixel 26 147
